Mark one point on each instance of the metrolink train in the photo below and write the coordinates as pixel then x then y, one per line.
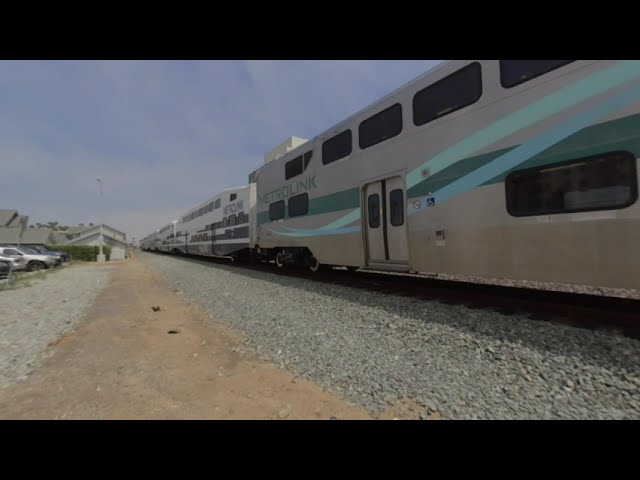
pixel 511 169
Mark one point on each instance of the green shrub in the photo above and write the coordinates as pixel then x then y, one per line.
pixel 87 253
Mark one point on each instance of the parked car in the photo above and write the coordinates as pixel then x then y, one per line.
pixel 19 263
pixel 35 261
pixel 34 251
pixel 64 256
pixel 5 267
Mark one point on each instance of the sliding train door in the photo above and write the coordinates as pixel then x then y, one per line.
pixel 385 224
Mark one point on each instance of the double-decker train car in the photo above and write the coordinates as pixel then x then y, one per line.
pixel 520 169
pixel 165 237
pixel 217 227
pixel 514 169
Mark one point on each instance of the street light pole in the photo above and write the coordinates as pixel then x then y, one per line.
pixel 101 256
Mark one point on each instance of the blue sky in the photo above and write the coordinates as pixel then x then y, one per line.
pixel 163 135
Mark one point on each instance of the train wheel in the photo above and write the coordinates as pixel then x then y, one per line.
pixel 314 264
pixel 280 259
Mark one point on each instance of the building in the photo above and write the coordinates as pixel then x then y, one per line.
pixel 116 239
pixel 12 227
pixel 13 231
pixel 38 236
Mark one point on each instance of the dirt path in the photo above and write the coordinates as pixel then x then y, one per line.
pixel 120 363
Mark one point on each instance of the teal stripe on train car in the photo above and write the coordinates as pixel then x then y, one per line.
pixel 334 202
pixel 619 134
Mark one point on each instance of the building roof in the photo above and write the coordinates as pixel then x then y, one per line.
pixel 6 217
pixel 80 230
pixel 59 238
pixel 95 234
pixel 9 236
pixel 37 236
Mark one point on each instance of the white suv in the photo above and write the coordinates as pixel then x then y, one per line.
pixel 28 260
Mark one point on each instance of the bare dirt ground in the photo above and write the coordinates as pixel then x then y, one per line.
pixel 121 363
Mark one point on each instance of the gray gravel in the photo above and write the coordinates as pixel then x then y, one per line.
pixel 32 317
pixel 375 349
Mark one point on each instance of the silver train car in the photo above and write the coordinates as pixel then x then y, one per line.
pixel 511 169
pixel 517 169
pixel 218 227
pixel 150 241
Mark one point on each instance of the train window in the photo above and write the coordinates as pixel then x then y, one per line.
pixel 297 165
pixel 232 197
pixel 456 91
pixel 396 199
pixel 515 72
pixel 242 218
pixel 380 127
pixel 299 205
pixel 276 210
pixel 211 206
pixel 337 147
pixel 217 205
pixel 232 220
pixel 601 182
pixel 373 207
pixel 293 167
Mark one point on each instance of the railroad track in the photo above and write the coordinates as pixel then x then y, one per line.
pixel 595 312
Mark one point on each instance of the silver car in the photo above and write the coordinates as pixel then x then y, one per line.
pixel 34 261
pixel 6 266
pixel 17 262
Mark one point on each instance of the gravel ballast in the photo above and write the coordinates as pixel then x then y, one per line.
pixel 375 349
pixel 34 316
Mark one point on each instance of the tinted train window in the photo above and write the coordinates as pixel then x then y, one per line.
pixel 232 220
pixel 293 167
pixel 452 93
pixel 382 126
pixel 601 182
pixel 211 206
pixel 232 197
pixel 276 210
pixel 297 165
pixel 307 158
pixel 396 199
pixel 336 147
pixel 217 205
pixel 299 205
pixel 373 207
pixel 515 72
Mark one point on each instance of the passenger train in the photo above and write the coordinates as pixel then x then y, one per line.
pixel 513 169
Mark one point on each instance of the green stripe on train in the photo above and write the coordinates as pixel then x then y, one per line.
pixel 620 134
pixel 325 204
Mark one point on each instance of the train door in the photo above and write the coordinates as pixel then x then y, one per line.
pixel 385 224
